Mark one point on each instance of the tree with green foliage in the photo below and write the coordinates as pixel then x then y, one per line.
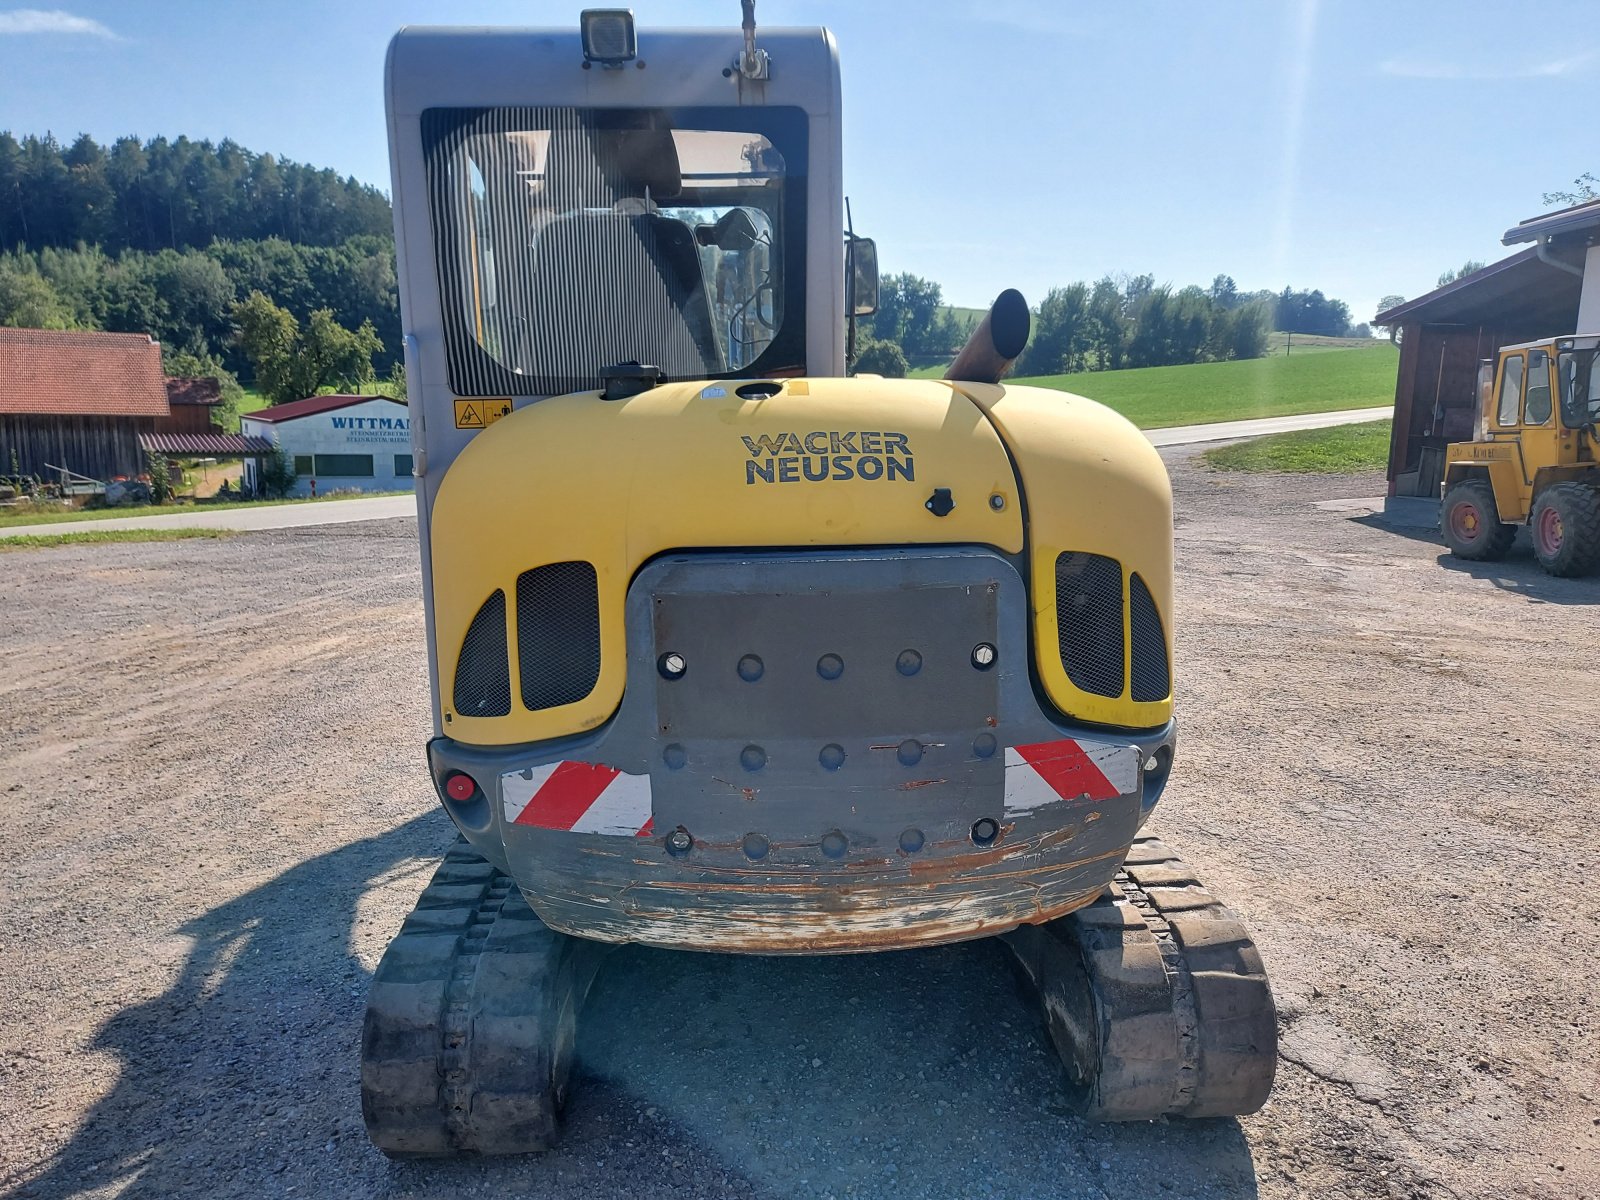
pixel 1240 332
pixel 397 381
pixel 1311 312
pixel 1584 188
pixel 884 358
pixel 911 313
pixel 276 475
pixel 28 301
pixel 172 195
pixel 291 362
pixel 160 472
pixel 1391 301
pixel 1224 293
pixel 1062 332
pixel 1170 328
pixel 1108 330
pixel 1465 269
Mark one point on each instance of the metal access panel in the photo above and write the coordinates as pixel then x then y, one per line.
pixel 849 695
pixel 826 661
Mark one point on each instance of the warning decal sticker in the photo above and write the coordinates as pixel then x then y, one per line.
pixel 480 414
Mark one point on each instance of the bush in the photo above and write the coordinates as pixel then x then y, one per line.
pixel 160 473
pixel 881 358
pixel 277 474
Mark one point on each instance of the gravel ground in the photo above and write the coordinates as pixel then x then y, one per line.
pixel 216 816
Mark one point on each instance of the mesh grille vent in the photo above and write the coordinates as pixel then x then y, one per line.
pixel 1089 622
pixel 558 634
pixel 483 673
pixel 1152 677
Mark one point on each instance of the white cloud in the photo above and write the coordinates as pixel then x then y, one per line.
pixel 1414 68
pixel 54 20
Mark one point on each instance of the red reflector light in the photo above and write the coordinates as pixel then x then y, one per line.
pixel 460 788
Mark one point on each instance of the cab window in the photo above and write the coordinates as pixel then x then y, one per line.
pixel 1538 408
pixel 1511 389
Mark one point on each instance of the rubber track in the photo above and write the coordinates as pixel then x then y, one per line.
pixel 1155 997
pixel 470 1020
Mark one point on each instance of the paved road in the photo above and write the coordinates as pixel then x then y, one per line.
pixel 1223 431
pixel 280 516
pixel 335 512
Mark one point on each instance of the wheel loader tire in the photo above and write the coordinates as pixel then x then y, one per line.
pixel 471 1019
pixel 1155 998
pixel 1566 529
pixel 1471 523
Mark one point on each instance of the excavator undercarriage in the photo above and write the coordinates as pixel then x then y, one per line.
pixel 1153 995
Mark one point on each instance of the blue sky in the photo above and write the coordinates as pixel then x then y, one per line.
pixel 1354 146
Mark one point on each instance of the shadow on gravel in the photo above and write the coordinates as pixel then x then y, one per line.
pixel 265 1015
pixel 1520 574
pixel 916 1073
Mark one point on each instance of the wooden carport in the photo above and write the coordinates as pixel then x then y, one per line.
pixel 1444 335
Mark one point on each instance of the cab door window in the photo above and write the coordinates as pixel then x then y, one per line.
pixel 1538 408
pixel 1511 389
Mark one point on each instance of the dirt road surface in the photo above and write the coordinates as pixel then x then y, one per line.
pixel 215 815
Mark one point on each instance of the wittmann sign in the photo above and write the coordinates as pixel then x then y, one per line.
pixel 376 430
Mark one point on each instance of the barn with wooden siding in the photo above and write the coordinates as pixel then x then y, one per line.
pixel 195 403
pixel 77 401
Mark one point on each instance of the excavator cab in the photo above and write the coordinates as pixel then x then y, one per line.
pixel 1533 460
pixel 730 652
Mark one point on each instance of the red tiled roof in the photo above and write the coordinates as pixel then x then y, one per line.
pixel 311 406
pixel 202 389
pixel 51 372
pixel 228 445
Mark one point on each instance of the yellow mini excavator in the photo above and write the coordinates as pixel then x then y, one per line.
pixel 731 652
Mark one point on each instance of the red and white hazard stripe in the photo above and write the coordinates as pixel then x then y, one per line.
pixel 1049 772
pixel 591 798
pixel 580 797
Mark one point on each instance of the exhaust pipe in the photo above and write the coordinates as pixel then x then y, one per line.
pixel 996 342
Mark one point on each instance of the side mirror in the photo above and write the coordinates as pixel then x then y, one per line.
pixel 734 231
pixel 861 261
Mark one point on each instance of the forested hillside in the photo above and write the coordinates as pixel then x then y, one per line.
pixel 166 237
pixel 161 195
pixel 244 264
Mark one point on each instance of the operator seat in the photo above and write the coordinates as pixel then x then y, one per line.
pixel 611 286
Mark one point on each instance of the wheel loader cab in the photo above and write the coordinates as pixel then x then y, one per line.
pixel 1533 460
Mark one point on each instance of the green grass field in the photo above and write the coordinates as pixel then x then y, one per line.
pixel 1199 393
pixel 1343 450
pixel 37 541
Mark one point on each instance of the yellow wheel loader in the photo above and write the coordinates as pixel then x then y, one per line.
pixel 1534 461
pixel 731 652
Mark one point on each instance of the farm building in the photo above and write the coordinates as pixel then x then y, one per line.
pixel 1549 289
pixel 338 443
pixel 193 405
pixel 77 401
pixel 190 429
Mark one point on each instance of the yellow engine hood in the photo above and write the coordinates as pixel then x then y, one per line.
pixel 834 462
